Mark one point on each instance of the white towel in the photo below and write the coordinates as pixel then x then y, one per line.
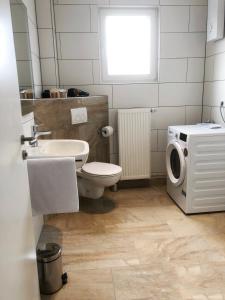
pixel 53 185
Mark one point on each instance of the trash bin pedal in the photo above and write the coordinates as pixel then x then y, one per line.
pixel 64 278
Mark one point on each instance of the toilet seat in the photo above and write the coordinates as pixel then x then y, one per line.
pixel 94 177
pixel 101 169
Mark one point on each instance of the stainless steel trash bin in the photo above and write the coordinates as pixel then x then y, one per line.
pixel 49 260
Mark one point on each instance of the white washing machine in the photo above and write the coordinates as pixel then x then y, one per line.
pixel 195 162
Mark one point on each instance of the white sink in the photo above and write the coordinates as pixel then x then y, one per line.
pixel 60 148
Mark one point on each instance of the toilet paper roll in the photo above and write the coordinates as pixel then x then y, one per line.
pixel 107 131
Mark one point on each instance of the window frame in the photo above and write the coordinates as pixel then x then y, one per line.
pixel 153 12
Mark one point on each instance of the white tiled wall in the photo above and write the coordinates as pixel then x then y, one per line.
pixel 178 94
pixel 47 43
pixel 179 45
pixel 35 57
pixel 135 95
pixel 214 86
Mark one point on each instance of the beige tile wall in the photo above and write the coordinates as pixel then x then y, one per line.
pixel 54 115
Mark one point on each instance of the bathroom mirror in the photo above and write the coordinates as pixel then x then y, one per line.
pixel 22 48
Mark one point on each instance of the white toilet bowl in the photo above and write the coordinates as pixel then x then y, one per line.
pixel 94 177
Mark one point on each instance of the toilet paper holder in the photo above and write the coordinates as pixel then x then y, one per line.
pixel 105 131
pixel 99 131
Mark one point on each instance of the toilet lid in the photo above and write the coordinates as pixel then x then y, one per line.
pixel 101 169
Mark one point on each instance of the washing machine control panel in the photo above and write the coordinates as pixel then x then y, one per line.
pixel 183 137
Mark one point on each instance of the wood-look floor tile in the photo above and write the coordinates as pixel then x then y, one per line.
pixel 99 251
pixel 201 279
pixel 86 285
pixel 216 241
pixel 117 216
pixel 145 249
pixel 197 225
pixel 155 281
pixel 190 250
pixel 134 197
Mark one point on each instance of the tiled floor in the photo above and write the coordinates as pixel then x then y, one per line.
pixel 145 249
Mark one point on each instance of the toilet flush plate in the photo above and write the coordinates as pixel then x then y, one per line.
pixel 79 115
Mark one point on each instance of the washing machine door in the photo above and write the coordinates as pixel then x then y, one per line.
pixel 175 163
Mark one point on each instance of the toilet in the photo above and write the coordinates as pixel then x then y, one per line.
pixel 94 177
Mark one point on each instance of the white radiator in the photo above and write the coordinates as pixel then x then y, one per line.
pixel 134 129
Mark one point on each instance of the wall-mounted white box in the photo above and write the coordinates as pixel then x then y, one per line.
pixel 79 115
pixel 215 25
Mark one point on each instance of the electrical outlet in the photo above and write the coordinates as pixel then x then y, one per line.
pixel 79 115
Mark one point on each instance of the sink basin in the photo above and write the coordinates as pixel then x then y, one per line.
pixel 61 148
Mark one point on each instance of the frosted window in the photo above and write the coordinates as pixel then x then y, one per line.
pixel 129 45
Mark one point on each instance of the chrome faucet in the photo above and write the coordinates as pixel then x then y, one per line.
pixel 36 134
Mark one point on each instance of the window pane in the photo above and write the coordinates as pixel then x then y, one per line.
pixel 128 45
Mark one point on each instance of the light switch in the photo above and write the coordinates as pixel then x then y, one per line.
pixel 79 115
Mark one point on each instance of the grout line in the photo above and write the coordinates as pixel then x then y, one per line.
pixel 60 47
pixel 47 57
pixel 212 81
pixel 90 17
pixel 144 83
pixel 53 30
pixel 157 140
pixel 143 5
pixel 92 71
pixel 75 32
pixel 44 28
pixel 182 57
pixel 164 58
pixel 77 59
pixel 55 43
pixel 211 108
pixel 28 60
pixel 113 281
pixel 204 77
pixel 187 70
pixel 112 97
pixel 158 94
pixel 189 22
pixel 164 32
pixel 183 32
pixel 185 112
pixel 39 50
